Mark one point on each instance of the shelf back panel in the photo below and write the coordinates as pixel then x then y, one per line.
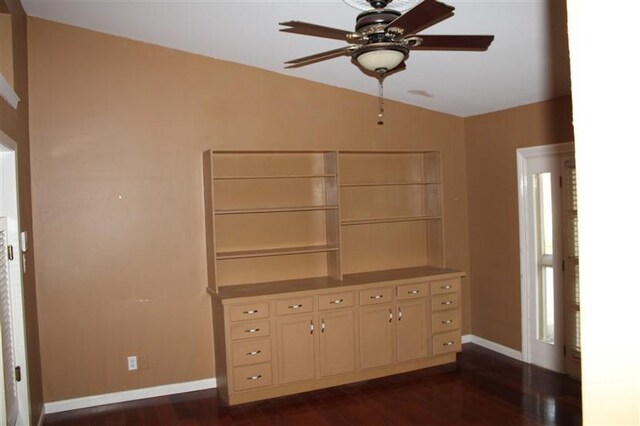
pixel 371 202
pixel 381 167
pixel 270 230
pixel 268 163
pixel 380 246
pixel 264 269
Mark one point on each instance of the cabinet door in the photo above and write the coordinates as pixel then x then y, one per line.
pixel 337 342
pixel 295 341
pixel 377 324
pixel 413 329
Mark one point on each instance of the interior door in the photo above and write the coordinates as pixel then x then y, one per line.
pixel 10 400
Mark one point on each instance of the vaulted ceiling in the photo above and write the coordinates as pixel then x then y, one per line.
pixel 527 62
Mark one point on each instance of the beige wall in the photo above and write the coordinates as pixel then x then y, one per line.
pixel 15 123
pixel 118 128
pixel 491 141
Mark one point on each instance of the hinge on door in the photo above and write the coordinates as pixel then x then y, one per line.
pixel 10 252
pixel 18 374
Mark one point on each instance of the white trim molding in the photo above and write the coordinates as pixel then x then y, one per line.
pixel 7 93
pixel 130 395
pixel 496 347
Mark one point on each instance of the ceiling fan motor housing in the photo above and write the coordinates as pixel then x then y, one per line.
pixel 375 17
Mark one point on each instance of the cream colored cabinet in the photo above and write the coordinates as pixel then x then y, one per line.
pixel 413 329
pixel 296 348
pixel 377 335
pixel 446 316
pixel 337 341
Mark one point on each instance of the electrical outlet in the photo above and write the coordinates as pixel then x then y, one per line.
pixel 143 362
pixel 132 362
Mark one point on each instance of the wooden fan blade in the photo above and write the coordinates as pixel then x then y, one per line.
pixel 422 16
pixel 318 57
pixel 454 42
pixel 305 28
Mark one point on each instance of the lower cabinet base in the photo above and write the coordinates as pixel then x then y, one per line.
pixel 325 382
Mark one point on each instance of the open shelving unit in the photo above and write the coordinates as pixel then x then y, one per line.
pixel 271 216
pixel 292 215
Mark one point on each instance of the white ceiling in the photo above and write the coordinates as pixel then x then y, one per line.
pixel 527 62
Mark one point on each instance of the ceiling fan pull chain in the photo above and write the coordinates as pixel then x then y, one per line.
pixel 381 99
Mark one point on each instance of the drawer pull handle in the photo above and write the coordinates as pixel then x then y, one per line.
pixel 413 292
pixel 259 376
pixel 448 302
pixel 311 327
pixel 253 353
pixel 449 343
pixel 445 287
pixel 379 296
pixel 399 313
pixel 296 306
pixel 447 321
pixel 252 330
pixel 337 301
pixel 322 327
pixel 252 311
pixel 390 315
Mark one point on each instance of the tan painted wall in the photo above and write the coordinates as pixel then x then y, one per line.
pixel 117 134
pixel 491 141
pixel 15 123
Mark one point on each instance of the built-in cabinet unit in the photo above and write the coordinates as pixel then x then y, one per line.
pixel 326 268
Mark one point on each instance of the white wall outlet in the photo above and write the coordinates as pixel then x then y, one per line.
pixel 132 362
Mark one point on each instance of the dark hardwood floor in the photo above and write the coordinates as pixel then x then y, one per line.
pixel 484 388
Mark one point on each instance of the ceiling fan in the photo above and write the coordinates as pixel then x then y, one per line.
pixel 383 38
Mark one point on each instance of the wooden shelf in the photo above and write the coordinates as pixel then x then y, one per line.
pixel 284 251
pixel 274 177
pixel 276 210
pixel 348 222
pixel 353 185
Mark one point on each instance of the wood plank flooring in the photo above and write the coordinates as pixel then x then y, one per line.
pixel 484 388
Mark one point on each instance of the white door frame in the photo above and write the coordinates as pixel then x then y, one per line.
pixel 522 155
pixel 11 208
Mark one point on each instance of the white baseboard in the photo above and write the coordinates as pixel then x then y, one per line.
pixel 130 395
pixel 496 347
pixel 41 418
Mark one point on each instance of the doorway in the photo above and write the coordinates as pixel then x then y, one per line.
pixel 13 375
pixel 548 230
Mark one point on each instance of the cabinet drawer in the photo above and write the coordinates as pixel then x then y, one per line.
pixel 376 295
pixel 446 301
pixel 445 343
pixel 249 329
pixel 249 311
pixel 445 321
pixel 445 286
pixel 250 352
pixel 335 300
pixel 413 291
pixel 296 305
pixel 252 376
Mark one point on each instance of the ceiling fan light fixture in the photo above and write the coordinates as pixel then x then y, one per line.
pixel 381 59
